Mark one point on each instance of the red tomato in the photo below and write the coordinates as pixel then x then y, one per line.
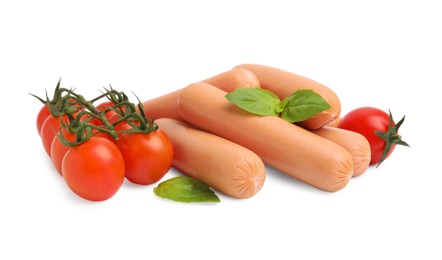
pixel 379 129
pixel 41 117
pixel 94 170
pixel 58 150
pixel 50 127
pixel 147 157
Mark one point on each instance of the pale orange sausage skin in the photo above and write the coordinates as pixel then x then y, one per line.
pixel 356 144
pixel 284 146
pixel 335 122
pixel 220 163
pixel 284 83
pixel 165 105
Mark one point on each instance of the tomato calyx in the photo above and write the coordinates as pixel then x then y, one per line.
pixel 138 121
pixel 61 102
pixel 390 137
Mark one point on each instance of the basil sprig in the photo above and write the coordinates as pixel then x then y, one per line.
pixel 299 106
pixel 185 189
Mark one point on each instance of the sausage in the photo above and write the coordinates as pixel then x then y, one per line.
pixel 233 79
pixel 356 144
pixel 165 105
pixel 286 147
pixel 221 164
pixel 284 83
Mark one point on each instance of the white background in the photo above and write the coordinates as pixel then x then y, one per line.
pixel 385 54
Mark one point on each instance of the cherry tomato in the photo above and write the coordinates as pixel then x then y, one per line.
pixel 378 127
pixel 41 117
pixel 50 127
pixel 147 157
pixel 94 170
pixel 111 115
pixel 58 150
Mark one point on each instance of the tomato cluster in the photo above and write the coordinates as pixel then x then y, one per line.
pixel 96 147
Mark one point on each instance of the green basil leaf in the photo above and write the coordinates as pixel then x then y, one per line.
pixel 255 100
pixel 302 105
pixel 185 189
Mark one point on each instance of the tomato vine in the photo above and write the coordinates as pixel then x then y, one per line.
pixel 81 111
